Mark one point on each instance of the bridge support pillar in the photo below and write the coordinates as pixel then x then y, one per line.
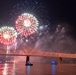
pixel 28 61
pixel 60 60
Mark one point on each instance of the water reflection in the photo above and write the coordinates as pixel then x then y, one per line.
pixel 14 69
pixel 7 69
pixel 27 70
pixel 53 69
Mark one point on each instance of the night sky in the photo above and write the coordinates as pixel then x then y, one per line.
pixel 59 12
pixel 48 12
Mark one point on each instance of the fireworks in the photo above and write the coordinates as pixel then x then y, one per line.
pixel 7 35
pixel 26 24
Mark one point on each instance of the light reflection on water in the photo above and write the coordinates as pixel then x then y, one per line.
pixel 10 69
pixel 37 69
pixel 7 69
pixel 27 70
pixel 53 69
pixel 14 69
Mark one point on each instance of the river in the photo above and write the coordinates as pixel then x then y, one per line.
pixel 37 69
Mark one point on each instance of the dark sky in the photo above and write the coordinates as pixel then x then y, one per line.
pixel 59 11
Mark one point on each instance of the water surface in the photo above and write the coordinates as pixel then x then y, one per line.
pixel 37 69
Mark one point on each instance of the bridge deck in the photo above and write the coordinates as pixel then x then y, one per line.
pixel 41 55
pixel 33 52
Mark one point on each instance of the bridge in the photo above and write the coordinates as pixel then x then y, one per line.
pixel 28 51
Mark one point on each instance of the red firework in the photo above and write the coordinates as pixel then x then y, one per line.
pixel 26 24
pixel 7 35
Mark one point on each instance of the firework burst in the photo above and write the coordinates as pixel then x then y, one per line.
pixel 7 35
pixel 26 24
